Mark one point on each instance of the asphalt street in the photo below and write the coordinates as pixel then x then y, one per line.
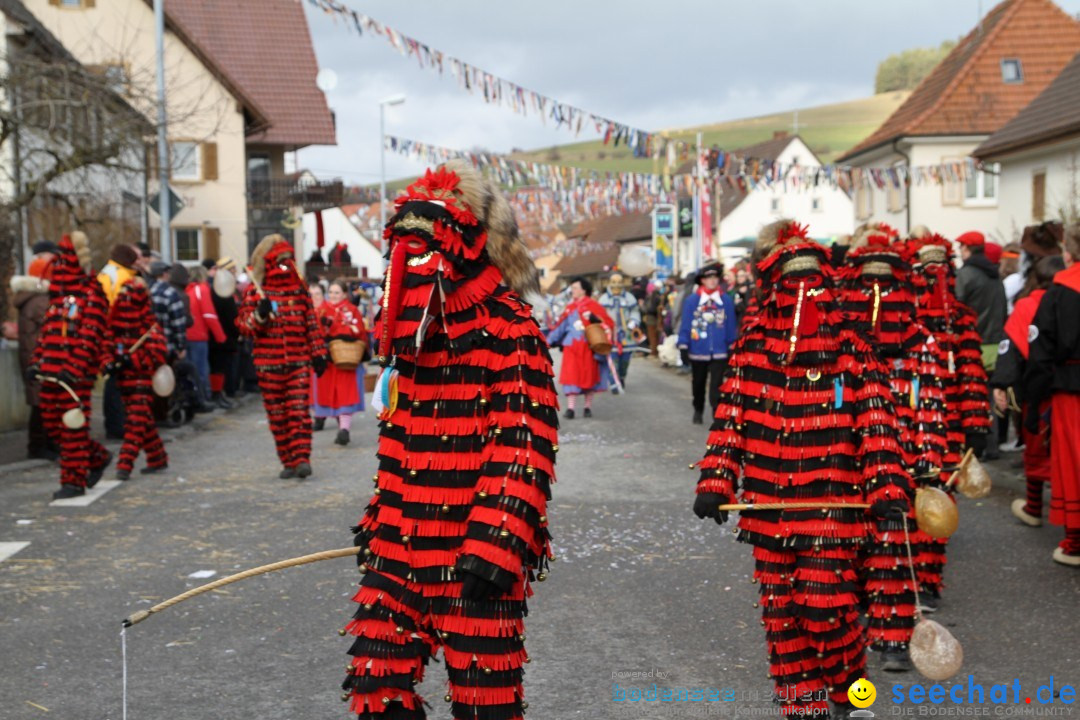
pixel 640 585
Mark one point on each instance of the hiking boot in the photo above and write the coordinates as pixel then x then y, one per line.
pixel 342 437
pixel 1019 511
pixel 67 490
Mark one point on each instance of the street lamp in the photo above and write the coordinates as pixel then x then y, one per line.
pixel 392 100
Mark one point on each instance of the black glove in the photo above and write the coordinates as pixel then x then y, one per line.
pixel 264 308
pixel 319 364
pixel 884 509
pixel 977 442
pixel 474 587
pixel 707 505
pixel 326 320
pixel 67 378
pixel 31 375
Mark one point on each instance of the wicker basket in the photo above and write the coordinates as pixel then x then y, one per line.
pixel 369 382
pixel 347 354
pixel 597 339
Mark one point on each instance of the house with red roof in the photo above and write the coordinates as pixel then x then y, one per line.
pixel 1008 59
pixel 241 95
pixel 1038 152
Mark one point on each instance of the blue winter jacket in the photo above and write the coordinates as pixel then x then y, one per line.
pixel 707 330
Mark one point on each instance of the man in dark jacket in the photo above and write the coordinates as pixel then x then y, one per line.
pixel 1053 373
pixel 224 358
pixel 31 298
pixel 978 285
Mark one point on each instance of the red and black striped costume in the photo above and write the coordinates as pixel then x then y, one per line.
pixel 805 416
pixel 287 344
pixel 458 523
pixel 958 354
pixel 879 305
pixel 71 345
pixel 130 318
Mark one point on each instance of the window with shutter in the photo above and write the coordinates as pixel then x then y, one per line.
pixel 1038 196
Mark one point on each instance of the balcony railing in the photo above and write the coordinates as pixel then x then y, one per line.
pixel 271 193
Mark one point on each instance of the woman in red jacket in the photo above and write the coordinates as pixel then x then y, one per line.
pixel 204 324
pixel 339 393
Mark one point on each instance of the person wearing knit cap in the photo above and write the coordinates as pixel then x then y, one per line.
pixel 288 345
pixel 71 349
pixel 707 331
pixel 457 530
pixel 805 415
pixel 30 296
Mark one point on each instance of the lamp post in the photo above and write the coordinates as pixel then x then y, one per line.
pixel 393 100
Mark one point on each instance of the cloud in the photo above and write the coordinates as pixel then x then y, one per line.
pixel 653 65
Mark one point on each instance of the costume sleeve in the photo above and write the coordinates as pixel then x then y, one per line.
pixel 722 464
pixel 883 473
pixel 684 327
pixel 1039 375
pixel 246 322
pixel 507 526
pixel 973 395
pixel 556 334
pixel 316 337
pixel 1009 370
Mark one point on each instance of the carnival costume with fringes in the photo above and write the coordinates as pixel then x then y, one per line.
pixel 289 342
pixel 805 415
pixel 71 347
pixel 879 305
pixel 958 352
pixel 130 318
pixel 458 524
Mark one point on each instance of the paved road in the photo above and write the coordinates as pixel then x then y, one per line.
pixel 640 585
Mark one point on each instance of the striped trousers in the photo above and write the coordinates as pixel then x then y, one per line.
pixel 286 396
pixel 79 453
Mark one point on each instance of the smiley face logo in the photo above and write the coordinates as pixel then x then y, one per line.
pixel 862 693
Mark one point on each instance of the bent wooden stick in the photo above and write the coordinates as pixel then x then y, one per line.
pixel 793 506
pixel 261 570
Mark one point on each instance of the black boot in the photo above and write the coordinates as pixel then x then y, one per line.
pixel 303 470
pixel 342 437
pixel 287 473
pixel 569 414
pixel 319 424
pixel 123 474
pixel 95 474
pixel 698 419
pixel 588 412
pixel 896 660
pixel 67 490
pixel 154 469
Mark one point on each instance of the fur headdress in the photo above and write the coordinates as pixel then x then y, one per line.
pixel 783 247
pixel 262 253
pixel 81 243
pixel 504 244
pixel 862 235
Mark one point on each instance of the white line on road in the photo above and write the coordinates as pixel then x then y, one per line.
pixel 7 549
pixel 91 495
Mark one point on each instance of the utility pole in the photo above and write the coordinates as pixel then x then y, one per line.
pixel 164 207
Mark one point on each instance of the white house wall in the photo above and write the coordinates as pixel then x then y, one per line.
pixel 834 217
pixel 1060 162
pixel 338 228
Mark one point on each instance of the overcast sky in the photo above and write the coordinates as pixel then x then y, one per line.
pixel 653 65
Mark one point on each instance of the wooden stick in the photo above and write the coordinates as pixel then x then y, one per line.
pixel 960 468
pixel 261 570
pixel 61 383
pixel 794 506
pixel 258 287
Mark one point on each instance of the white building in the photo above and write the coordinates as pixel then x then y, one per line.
pixel 1038 152
pixel 827 210
pixel 340 225
pixel 983 83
